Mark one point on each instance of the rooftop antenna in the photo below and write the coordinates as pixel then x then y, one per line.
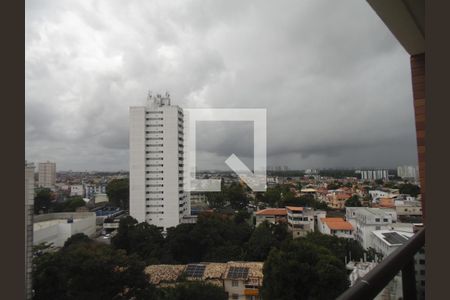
pixel 149 96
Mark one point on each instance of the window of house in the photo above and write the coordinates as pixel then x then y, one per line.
pixel 377 220
pixel 235 283
pixel 234 296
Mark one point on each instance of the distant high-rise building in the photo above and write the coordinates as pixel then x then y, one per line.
pixel 408 172
pixel 157 194
pixel 47 174
pixel 29 209
pixel 374 174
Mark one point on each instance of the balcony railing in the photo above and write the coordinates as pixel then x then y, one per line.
pixel 402 259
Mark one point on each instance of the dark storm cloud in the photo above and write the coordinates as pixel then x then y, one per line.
pixel 334 81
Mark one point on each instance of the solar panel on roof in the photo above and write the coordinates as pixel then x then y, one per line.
pixel 238 273
pixel 394 238
pixel 195 270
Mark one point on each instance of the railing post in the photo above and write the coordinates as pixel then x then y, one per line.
pixel 409 281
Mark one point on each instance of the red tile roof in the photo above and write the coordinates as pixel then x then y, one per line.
pixel 294 208
pixel 272 212
pixel 337 223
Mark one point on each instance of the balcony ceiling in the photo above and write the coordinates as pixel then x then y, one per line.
pixel 405 19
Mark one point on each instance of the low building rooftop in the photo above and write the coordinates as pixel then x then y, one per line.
pixel 337 223
pixel 272 211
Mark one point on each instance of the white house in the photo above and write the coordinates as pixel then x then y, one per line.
pixel 300 220
pixel 337 227
pixel 367 219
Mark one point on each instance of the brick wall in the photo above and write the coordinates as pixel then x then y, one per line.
pixel 418 84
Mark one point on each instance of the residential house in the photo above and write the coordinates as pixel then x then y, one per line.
pixel 337 227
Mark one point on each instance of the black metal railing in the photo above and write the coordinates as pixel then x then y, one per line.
pixel 402 259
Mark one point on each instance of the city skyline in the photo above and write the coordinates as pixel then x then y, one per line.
pixel 336 96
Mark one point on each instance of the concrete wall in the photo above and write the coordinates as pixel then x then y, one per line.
pixel 58 233
pixel 137 163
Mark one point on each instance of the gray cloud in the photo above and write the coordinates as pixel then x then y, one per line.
pixel 334 81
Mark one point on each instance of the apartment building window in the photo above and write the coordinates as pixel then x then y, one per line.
pixel 154 131
pixel 154 139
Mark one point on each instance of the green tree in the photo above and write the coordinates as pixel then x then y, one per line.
pixel 193 290
pixel 340 247
pixel 236 196
pixel 409 189
pixel 272 197
pixel 69 205
pixel 333 186
pixel 261 242
pixel 181 246
pixel 118 192
pixel 353 201
pixel 390 185
pixel 216 200
pixel 42 200
pixel 90 270
pixel 303 270
pixel 373 255
pixel 242 216
pixel 224 253
pixel 304 201
pixel 146 241
pixel 121 239
pixel 76 239
pixel 217 231
pixel 73 203
pixel 142 239
pixel 379 181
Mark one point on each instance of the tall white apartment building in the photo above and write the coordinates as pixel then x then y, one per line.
pixel 157 195
pixel 374 174
pixel 47 174
pixel 408 172
pixel 29 210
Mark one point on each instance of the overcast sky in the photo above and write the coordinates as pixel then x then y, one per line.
pixel 335 82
